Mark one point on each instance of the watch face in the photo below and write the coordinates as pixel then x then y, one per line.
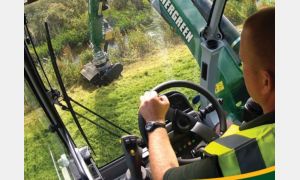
pixel 148 126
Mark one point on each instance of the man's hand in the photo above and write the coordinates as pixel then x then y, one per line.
pixel 161 155
pixel 154 107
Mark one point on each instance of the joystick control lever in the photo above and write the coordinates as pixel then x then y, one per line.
pixel 133 156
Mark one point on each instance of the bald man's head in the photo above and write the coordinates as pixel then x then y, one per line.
pixel 259 36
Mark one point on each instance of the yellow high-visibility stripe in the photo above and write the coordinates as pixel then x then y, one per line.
pixel 217 148
pixel 264 136
pixel 231 130
pixel 230 164
pixel 257 132
pixel 267 148
pixel 250 133
pixel 227 158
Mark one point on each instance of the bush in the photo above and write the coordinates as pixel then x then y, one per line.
pixel 119 4
pixel 130 47
pixel 73 38
pixel 70 72
pixel 170 36
pixel 238 10
pixel 86 56
pixel 30 102
pixel 60 15
pixel 123 19
pixel 139 42
pixel 264 3
pixel 122 51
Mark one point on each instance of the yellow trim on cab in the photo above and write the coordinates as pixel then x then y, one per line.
pixel 247 175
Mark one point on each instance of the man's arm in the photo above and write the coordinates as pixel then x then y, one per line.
pixel 161 153
pixel 203 169
pixel 163 161
pixel 164 164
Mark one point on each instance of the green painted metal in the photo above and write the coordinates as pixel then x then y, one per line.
pixel 95 25
pixel 189 15
pixel 234 91
pixel 267 176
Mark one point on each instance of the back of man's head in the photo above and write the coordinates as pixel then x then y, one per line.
pixel 257 52
pixel 260 32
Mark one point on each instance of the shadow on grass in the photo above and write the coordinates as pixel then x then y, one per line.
pixel 87 86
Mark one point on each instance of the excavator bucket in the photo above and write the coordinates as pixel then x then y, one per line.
pixel 101 77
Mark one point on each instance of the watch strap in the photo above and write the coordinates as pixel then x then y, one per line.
pixel 154 125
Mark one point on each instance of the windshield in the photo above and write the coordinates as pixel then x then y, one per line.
pixel 238 11
pixel 147 47
pixel 43 148
pixel 150 51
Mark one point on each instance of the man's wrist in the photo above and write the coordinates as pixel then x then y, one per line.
pixel 156 120
pixel 151 126
pixel 157 132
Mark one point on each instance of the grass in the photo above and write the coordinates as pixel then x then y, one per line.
pixel 118 102
pixel 38 144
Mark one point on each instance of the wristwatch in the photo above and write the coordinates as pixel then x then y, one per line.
pixel 152 125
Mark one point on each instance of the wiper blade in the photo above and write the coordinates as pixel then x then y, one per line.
pixel 62 87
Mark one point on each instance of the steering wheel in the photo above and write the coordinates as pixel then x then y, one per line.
pixel 191 123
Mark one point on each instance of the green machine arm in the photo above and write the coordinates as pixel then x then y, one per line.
pixel 100 71
pixel 95 24
pixel 95 8
pixel 220 66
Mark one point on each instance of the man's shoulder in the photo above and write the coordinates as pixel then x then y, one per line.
pixel 268 118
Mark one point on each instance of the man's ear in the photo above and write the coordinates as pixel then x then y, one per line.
pixel 267 82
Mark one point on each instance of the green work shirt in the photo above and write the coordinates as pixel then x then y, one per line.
pixel 209 167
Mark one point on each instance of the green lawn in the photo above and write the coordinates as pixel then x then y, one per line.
pixel 38 143
pixel 117 102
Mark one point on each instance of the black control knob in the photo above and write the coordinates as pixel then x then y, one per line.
pixel 209 108
pixel 133 155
